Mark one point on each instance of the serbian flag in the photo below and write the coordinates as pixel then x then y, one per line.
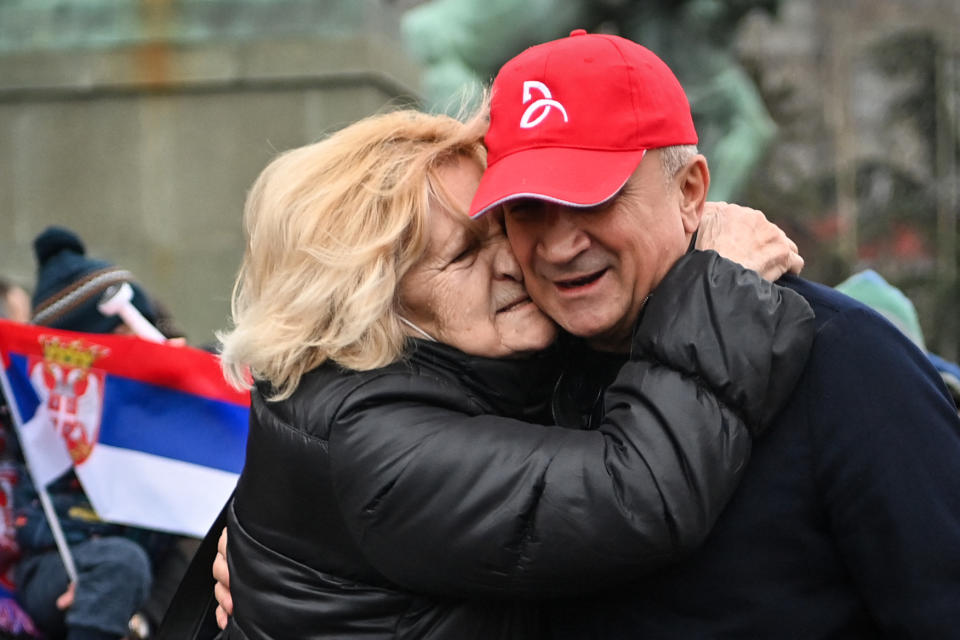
pixel 154 432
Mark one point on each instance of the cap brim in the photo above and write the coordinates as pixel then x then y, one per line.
pixel 572 177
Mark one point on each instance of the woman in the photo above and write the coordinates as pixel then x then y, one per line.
pixel 396 483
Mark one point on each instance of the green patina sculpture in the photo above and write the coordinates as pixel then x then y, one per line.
pixel 462 43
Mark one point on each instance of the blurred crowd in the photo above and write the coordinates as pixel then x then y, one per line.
pixel 126 575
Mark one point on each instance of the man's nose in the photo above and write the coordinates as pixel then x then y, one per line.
pixel 561 239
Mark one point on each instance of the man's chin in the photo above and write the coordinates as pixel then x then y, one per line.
pixel 600 335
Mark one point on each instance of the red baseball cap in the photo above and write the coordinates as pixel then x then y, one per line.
pixel 571 119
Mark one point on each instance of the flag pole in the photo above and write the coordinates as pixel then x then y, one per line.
pixel 48 510
pixel 117 300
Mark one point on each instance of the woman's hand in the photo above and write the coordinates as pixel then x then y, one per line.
pixel 745 236
pixel 221 590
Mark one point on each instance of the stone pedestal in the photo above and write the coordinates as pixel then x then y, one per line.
pixel 145 135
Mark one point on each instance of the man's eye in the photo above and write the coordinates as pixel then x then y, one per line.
pixel 522 209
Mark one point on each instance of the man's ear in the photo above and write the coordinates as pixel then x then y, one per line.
pixel 693 181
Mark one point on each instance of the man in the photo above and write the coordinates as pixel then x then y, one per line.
pixel 847 522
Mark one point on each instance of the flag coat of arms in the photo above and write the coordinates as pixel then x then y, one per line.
pixel 155 434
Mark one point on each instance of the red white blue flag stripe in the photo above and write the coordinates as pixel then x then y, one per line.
pixel 156 435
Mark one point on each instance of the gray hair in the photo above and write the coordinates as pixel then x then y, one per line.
pixel 675 158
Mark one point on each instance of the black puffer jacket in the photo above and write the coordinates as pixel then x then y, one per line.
pixel 406 502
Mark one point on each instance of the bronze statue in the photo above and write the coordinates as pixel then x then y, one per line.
pixel 462 43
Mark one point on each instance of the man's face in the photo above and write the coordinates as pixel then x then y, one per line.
pixel 18 305
pixel 592 269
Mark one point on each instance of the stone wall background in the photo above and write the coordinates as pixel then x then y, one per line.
pixel 142 124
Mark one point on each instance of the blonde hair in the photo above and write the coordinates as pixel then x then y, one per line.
pixel 331 229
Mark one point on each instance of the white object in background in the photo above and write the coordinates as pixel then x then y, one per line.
pixel 117 300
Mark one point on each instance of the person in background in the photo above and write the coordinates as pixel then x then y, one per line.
pixel 870 288
pixel 14 302
pixel 14 622
pixel 115 564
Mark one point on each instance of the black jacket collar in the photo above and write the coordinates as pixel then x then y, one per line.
pixel 517 387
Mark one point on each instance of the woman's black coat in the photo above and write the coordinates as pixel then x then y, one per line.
pixel 418 501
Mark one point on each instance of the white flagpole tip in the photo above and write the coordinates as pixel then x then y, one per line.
pixel 117 300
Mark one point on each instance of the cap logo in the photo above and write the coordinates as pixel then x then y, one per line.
pixel 544 105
